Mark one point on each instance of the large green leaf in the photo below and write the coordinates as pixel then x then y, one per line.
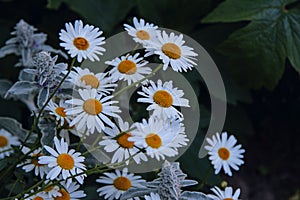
pixel 258 51
pixel 106 14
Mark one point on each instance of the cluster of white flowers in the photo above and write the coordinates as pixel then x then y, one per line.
pixel 83 103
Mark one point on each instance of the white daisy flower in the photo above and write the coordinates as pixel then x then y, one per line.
pixel 6 142
pixel 224 195
pixel 92 111
pixel 70 191
pixel 117 141
pixel 33 162
pixel 52 191
pixel 224 153
pixel 172 52
pixel 163 97
pixel 63 161
pixel 153 196
pixel 37 196
pixel 142 32
pixel 157 137
pixel 129 68
pixel 118 183
pixel 85 79
pixel 59 111
pixel 82 41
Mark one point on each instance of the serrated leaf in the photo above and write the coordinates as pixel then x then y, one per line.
pixel 187 195
pixel 4 86
pixel 42 97
pixel 105 14
pixel 15 127
pixel 21 88
pixel 48 129
pixel 258 51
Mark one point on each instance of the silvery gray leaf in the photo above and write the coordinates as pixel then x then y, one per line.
pixel 136 192
pixel 4 86
pixel 185 183
pixel 9 49
pixel 48 129
pixel 22 88
pixel 42 97
pixel 15 128
pixel 187 195
pixel 27 75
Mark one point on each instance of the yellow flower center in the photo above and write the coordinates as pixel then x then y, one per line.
pixel 224 153
pixel 38 198
pixel 60 111
pixel 171 50
pixel 81 43
pixel 3 141
pixel 65 161
pixel 64 195
pixel 153 140
pixel 92 106
pixel 35 160
pixel 123 141
pixel 163 98
pixel 228 198
pixel 91 80
pixel 122 183
pixel 127 67
pixel 143 35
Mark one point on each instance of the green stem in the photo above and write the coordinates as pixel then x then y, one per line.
pixel 138 82
pixel 36 119
pixel 203 182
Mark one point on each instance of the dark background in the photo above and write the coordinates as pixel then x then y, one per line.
pixel 265 121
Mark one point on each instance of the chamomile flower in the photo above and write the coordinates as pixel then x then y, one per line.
pixel 70 191
pixel 92 111
pixel 63 161
pixel 58 111
pixel 117 142
pixel 84 78
pixel 142 32
pixel 33 162
pixel 6 142
pixel 82 41
pixel 153 196
pixel 118 183
pixel 129 68
pixel 157 137
pixel 163 97
pixel 224 153
pixel 227 194
pixel 172 52
pixel 37 196
pixel 52 191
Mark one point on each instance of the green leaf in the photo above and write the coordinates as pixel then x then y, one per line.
pixel 180 15
pixel 106 14
pixel 258 51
